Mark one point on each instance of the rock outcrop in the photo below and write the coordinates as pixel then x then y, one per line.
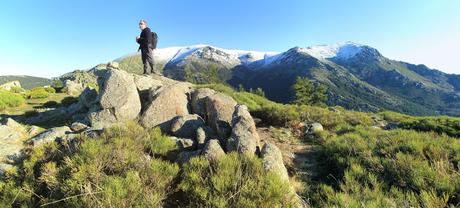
pixel 118 100
pixel 272 160
pixel 72 87
pixel 199 100
pixel 88 98
pixel 203 134
pixel 201 122
pixel 119 94
pixel 50 135
pixel 167 103
pixel 10 85
pixel 213 150
pixel 244 137
pixel 186 126
pixel 219 111
pixel 313 128
pixel 12 135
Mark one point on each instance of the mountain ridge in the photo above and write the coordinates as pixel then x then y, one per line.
pixel 358 76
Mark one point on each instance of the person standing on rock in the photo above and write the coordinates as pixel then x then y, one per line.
pixel 147 43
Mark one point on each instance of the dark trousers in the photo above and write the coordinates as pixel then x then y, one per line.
pixel 147 59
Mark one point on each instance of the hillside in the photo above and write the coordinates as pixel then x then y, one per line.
pixel 358 77
pixel 27 82
pixel 151 141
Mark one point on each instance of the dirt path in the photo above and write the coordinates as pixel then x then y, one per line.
pixel 299 157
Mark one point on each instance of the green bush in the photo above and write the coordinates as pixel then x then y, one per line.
pixel 160 144
pixel 286 114
pixel 50 89
pixel 36 93
pixel 16 89
pixel 234 181
pixel 367 167
pixel 9 99
pixel 111 171
pixel 440 124
pixel 57 84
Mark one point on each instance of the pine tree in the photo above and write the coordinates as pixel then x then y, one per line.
pixel 308 92
pixel 260 92
pixel 241 88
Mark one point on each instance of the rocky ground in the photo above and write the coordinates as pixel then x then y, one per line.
pixel 200 120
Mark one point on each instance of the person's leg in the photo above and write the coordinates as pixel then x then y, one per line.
pixel 152 61
pixel 144 60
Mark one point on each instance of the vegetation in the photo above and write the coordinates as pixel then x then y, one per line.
pixel 111 171
pixel 366 167
pixel 127 167
pixel 440 124
pixel 27 82
pixel 414 164
pixel 50 89
pixel 258 92
pixel 308 92
pixel 57 84
pixel 36 93
pixel 234 181
pixel 362 166
pixel 17 89
pixel 204 75
pixel 10 99
pixel 276 114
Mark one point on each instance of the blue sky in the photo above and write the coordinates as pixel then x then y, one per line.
pixel 50 37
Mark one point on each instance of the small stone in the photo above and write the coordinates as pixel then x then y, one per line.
pixel 78 127
pixel 313 128
pixel 212 150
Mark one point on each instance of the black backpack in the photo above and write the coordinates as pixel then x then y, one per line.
pixel 153 44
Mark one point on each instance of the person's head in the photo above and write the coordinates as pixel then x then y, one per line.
pixel 142 24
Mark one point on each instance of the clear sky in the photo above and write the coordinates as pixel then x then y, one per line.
pixel 50 37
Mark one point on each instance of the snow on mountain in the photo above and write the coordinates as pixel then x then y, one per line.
pixel 232 57
pixel 338 50
pixel 229 56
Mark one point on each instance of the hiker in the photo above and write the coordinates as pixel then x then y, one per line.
pixel 147 43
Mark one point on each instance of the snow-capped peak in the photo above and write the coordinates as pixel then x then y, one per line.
pixel 234 57
pixel 339 50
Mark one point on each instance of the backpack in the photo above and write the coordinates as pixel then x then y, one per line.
pixel 153 43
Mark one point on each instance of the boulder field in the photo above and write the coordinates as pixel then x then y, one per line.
pixel 200 120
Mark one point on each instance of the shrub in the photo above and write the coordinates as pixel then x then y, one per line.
pixel 110 171
pixel 234 181
pixel 376 168
pixel 50 90
pixel 440 124
pixel 9 99
pixel 57 84
pixel 36 93
pixel 159 144
pixel 50 104
pixel 69 100
pixel 17 89
pixel 276 114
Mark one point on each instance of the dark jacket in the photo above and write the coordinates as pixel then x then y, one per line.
pixel 145 38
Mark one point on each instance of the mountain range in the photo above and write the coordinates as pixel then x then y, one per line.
pixel 357 76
